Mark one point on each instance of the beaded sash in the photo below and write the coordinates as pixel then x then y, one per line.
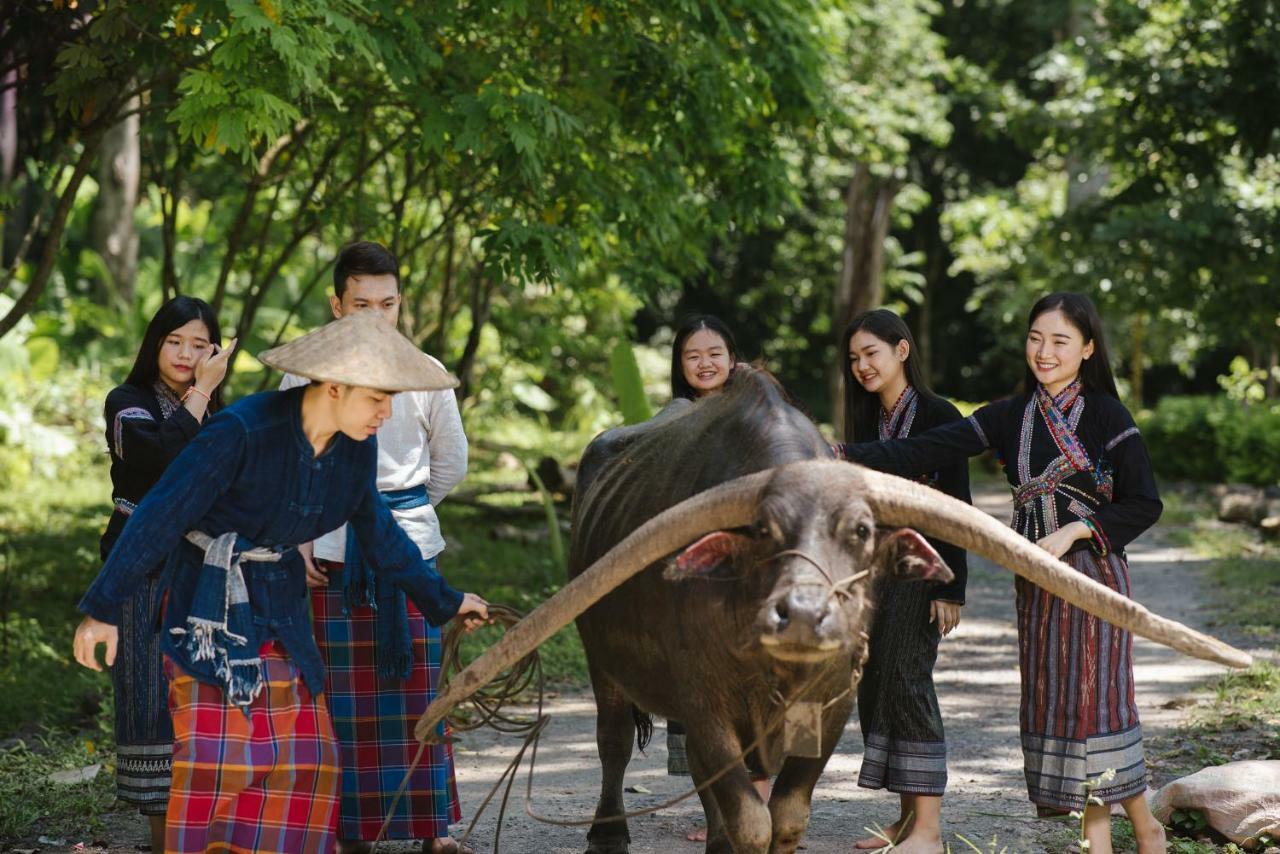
pixel 896 424
pixel 1061 415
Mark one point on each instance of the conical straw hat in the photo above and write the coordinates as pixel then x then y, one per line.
pixel 360 349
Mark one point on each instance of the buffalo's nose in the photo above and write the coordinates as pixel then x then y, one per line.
pixel 802 618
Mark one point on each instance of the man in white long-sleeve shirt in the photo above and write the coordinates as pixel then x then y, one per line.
pixel 382 658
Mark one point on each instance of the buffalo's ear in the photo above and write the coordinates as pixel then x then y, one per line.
pixel 708 553
pixel 907 554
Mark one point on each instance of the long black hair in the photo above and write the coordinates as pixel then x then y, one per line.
pixel 1080 312
pixel 693 323
pixel 862 407
pixel 176 313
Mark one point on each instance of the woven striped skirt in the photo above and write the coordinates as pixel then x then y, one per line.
pixel 1079 719
pixel 263 783
pixel 374 720
pixel 144 733
pixel 904 746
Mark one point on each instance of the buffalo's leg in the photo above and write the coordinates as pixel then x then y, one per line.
pixel 710 810
pixel 793 790
pixel 740 822
pixel 615 728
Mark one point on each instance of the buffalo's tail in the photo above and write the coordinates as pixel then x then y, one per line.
pixel 644 727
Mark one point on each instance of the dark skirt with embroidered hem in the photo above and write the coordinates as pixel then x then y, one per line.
pixel 144 732
pixel 904 745
pixel 1079 718
pixel 267 782
pixel 374 720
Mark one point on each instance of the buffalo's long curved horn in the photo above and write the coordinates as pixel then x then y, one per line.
pixel 896 501
pixel 729 505
pixel 893 500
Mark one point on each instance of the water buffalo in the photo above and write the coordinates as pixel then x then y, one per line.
pixel 719 565
pixel 717 635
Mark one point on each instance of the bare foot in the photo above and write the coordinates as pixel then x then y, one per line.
pixel 891 833
pixel 698 834
pixel 919 843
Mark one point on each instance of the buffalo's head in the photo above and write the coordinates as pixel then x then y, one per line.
pixel 808 564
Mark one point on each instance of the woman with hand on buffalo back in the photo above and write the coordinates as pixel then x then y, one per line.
pixel 904 749
pixel 1083 490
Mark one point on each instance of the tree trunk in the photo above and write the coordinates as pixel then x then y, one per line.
pixel 119 171
pixel 435 341
pixel 481 298
pixel 1137 356
pixel 868 215
pixel 8 127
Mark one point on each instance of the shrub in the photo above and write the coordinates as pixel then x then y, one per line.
pixel 1214 439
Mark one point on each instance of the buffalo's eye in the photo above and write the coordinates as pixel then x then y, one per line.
pixel 863 531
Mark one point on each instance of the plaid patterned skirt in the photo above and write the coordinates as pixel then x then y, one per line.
pixel 1079 718
pixel 268 782
pixel 144 734
pixel 374 720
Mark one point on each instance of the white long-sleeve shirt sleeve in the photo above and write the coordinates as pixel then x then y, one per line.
pixel 446 443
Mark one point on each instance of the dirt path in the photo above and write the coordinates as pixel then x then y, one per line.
pixel 977 678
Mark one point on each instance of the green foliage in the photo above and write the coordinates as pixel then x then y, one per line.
pixel 1249 588
pixel 490 147
pixel 50 424
pixel 30 802
pixel 1214 440
pixel 554 540
pixel 1245 384
pixel 1188 822
pixel 511 573
pixel 48 555
pixel 628 384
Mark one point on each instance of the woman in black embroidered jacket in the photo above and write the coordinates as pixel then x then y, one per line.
pixel 150 418
pixel 905 749
pixel 1083 489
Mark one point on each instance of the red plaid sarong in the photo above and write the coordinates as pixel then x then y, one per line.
pixel 268 782
pixel 374 720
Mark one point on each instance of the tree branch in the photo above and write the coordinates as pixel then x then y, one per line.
pixel 52 240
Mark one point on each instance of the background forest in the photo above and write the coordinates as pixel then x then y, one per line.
pixel 563 180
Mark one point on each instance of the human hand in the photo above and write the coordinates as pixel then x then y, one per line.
pixel 89 634
pixel 1064 538
pixel 474 612
pixel 211 370
pixel 945 614
pixel 316 577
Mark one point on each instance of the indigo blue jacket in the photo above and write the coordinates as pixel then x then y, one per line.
pixel 252 470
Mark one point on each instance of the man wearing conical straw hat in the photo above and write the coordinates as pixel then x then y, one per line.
pixel 382 659
pixel 255 764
